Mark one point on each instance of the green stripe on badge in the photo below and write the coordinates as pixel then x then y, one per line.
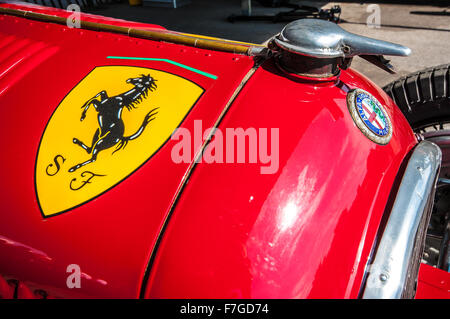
pixel 208 75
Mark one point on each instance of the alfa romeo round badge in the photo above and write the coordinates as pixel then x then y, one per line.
pixel 370 116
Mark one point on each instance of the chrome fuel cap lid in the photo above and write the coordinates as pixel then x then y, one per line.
pixel 323 39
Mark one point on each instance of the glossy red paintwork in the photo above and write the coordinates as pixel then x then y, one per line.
pixel 111 237
pixel 306 231
pixel 433 283
pixel 6 290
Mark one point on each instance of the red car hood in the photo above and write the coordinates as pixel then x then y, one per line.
pixel 108 228
pixel 307 229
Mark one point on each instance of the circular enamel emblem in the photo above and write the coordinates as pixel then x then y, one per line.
pixel 370 116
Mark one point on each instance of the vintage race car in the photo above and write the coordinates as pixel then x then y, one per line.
pixel 143 163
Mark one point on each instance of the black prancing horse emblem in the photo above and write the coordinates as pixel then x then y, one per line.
pixel 111 126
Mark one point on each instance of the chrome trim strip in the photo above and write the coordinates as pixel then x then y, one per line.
pixel 388 275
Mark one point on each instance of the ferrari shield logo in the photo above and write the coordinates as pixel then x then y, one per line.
pixel 110 124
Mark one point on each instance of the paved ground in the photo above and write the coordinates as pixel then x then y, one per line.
pixel 427 34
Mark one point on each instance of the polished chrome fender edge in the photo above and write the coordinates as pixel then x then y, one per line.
pixel 394 270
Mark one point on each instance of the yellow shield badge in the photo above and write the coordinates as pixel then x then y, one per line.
pixel 111 123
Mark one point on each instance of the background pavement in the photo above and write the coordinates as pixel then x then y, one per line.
pixel 425 29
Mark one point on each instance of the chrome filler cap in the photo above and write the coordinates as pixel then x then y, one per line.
pixel 323 39
pixel 319 48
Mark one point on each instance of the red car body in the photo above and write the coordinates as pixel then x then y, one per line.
pixel 186 230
